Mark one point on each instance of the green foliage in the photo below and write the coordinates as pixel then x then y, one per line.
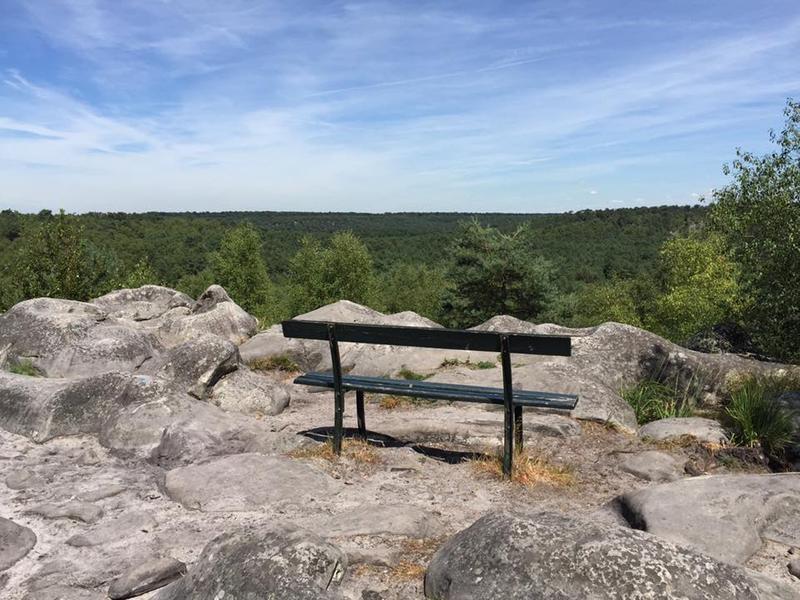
pixel 24 367
pixel 419 288
pixel 758 214
pixel 475 366
pixel 322 274
pixel 621 300
pixel 141 274
pixel 239 267
pixel 411 375
pixel 652 400
pixel 495 273
pixel 52 258
pixel 757 418
pixel 700 287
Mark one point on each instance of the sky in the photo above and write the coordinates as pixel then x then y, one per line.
pixel 545 106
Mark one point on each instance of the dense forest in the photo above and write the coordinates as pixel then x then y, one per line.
pixel 729 266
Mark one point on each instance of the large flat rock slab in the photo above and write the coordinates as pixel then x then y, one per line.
pixel 393 519
pixel 15 542
pixel 246 482
pixel 724 516
pixel 550 556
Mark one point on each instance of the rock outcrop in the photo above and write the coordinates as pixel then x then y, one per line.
pixel 276 562
pixel 556 557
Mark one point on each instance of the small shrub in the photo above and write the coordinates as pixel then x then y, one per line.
pixel 757 418
pixel 528 469
pixel 279 362
pixel 652 400
pixel 24 367
pixel 411 375
pixel 392 402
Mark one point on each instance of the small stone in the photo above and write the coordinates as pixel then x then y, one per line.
pixel 101 493
pixel 145 578
pixel 75 510
pixel 794 567
pixel 15 542
pixel 24 479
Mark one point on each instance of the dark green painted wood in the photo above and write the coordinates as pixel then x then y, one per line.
pixel 362 422
pixel 517 427
pixel 441 391
pixel 430 337
pixel 508 408
pixel 338 391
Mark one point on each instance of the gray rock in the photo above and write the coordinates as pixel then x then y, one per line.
pixel 146 577
pixel 206 431
pixel 703 430
pixel 277 562
pixel 143 303
pixel 214 313
pixel 195 365
pixel 124 527
pixel 42 409
pixel 74 509
pixel 723 516
pixel 101 493
pixel 551 556
pixel 15 543
pixel 64 338
pixel 64 592
pixel 25 479
pixel 250 393
pixel 652 465
pixel 245 482
pixel 794 567
pixel 392 519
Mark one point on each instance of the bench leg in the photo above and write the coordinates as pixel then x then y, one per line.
pixel 362 423
pixel 518 428
pixel 338 422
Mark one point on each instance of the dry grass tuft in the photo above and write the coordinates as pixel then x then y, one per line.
pixel 357 451
pixel 407 571
pixel 528 470
pixel 279 362
pixel 392 402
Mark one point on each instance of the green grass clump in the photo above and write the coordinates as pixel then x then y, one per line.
pixel 652 400
pixel 454 362
pixel 758 419
pixel 411 375
pixel 24 367
pixel 279 362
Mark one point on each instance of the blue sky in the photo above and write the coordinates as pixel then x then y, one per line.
pixel 384 106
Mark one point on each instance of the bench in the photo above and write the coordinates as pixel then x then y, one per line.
pixel 512 400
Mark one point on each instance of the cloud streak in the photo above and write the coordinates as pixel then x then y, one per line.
pixel 412 106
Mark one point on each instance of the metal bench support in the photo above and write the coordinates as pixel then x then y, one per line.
pixel 362 424
pixel 508 406
pixel 338 392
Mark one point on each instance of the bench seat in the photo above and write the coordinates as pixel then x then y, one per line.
pixel 440 391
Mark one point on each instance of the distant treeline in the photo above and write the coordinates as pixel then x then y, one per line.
pixel 586 246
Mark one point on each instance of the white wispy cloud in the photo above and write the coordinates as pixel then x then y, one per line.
pixel 201 105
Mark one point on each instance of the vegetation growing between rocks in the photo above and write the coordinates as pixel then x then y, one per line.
pixel 279 362
pixel 24 367
pixel 528 469
pixel 758 418
pixel 652 400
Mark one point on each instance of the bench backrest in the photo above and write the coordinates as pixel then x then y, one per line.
pixel 429 337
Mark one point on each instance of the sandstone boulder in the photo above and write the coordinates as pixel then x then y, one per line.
pixel 142 304
pixel 550 556
pixel 246 482
pixel 276 562
pixel 15 542
pixel 251 393
pixel 64 338
pixel 724 516
pixel 146 577
pixel 707 431
pixel 652 465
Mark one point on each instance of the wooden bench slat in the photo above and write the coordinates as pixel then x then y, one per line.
pixel 441 391
pixel 430 337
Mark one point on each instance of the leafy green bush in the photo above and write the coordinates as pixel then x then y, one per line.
pixel 757 418
pixel 652 400
pixel 411 375
pixel 413 287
